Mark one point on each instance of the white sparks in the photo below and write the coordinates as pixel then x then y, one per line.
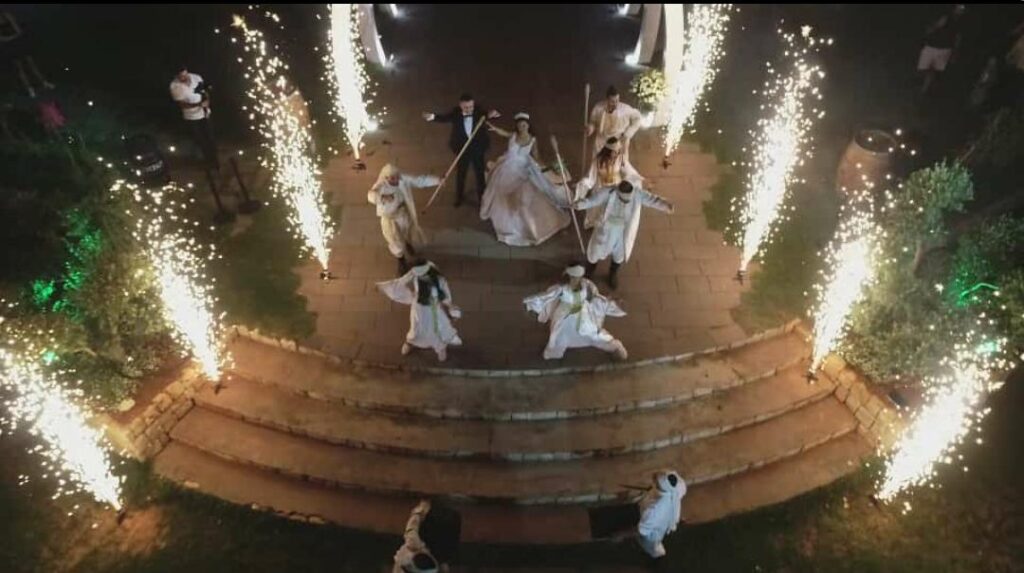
pixel 178 266
pixel 74 452
pixel 287 140
pixel 850 265
pixel 951 411
pixel 780 142
pixel 703 48
pixel 347 73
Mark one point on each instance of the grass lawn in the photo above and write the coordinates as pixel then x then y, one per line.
pixel 256 280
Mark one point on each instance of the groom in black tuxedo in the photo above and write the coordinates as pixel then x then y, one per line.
pixel 464 119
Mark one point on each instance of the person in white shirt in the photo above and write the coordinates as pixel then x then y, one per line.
pixel 660 512
pixel 616 230
pixel 192 95
pixel 613 118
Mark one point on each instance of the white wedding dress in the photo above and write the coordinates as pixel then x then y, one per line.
pixel 520 201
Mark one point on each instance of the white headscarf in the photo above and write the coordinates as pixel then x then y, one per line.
pixel 387 171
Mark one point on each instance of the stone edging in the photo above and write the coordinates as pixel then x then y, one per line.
pixel 294 346
pixel 879 420
pixel 147 434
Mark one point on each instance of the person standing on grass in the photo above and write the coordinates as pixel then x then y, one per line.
pixel 192 95
pixel 941 41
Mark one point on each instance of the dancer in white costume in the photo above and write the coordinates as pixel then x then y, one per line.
pixel 660 511
pixel 612 118
pixel 575 311
pixel 431 310
pixel 608 168
pixel 519 200
pixel 615 231
pixel 392 195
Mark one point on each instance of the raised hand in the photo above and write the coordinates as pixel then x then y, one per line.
pixel 493 114
pixel 428 116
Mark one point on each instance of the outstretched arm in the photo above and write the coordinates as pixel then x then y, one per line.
pixel 421 180
pixel 656 202
pixel 498 130
pixel 594 200
pixel 442 117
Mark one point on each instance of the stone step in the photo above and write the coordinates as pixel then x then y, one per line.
pixel 492 523
pixel 523 398
pixel 604 435
pixel 583 480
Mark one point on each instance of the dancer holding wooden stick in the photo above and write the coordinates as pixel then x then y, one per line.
pixel 466 142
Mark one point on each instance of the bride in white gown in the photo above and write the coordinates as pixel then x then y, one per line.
pixel 520 201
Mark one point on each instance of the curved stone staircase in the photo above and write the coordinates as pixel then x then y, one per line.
pixel 525 459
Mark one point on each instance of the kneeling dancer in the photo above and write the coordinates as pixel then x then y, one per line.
pixel 575 311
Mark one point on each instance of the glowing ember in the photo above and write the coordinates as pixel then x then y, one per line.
pixel 74 452
pixel 850 265
pixel 703 48
pixel 781 139
pixel 178 262
pixel 953 408
pixel 287 139
pixel 347 74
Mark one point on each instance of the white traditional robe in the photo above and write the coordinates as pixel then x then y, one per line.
pixel 576 318
pixel 660 512
pixel 397 211
pixel 413 544
pixel 429 324
pixel 624 122
pixel 608 177
pixel 615 231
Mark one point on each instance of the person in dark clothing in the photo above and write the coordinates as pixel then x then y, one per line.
pixel 941 41
pixel 464 118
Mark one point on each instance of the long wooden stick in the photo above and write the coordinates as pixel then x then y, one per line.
pixel 568 196
pixel 586 123
pixel 465 146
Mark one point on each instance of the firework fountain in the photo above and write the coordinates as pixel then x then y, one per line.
pixel 74 452
pixel 346 73
pixel 781 138
pixel 287 142
pixel 703 48
pixel 954 406
pixel 850 270
pixel 178 262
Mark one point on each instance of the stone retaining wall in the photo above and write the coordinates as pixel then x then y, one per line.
pixel 149 431
pixel 879 419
